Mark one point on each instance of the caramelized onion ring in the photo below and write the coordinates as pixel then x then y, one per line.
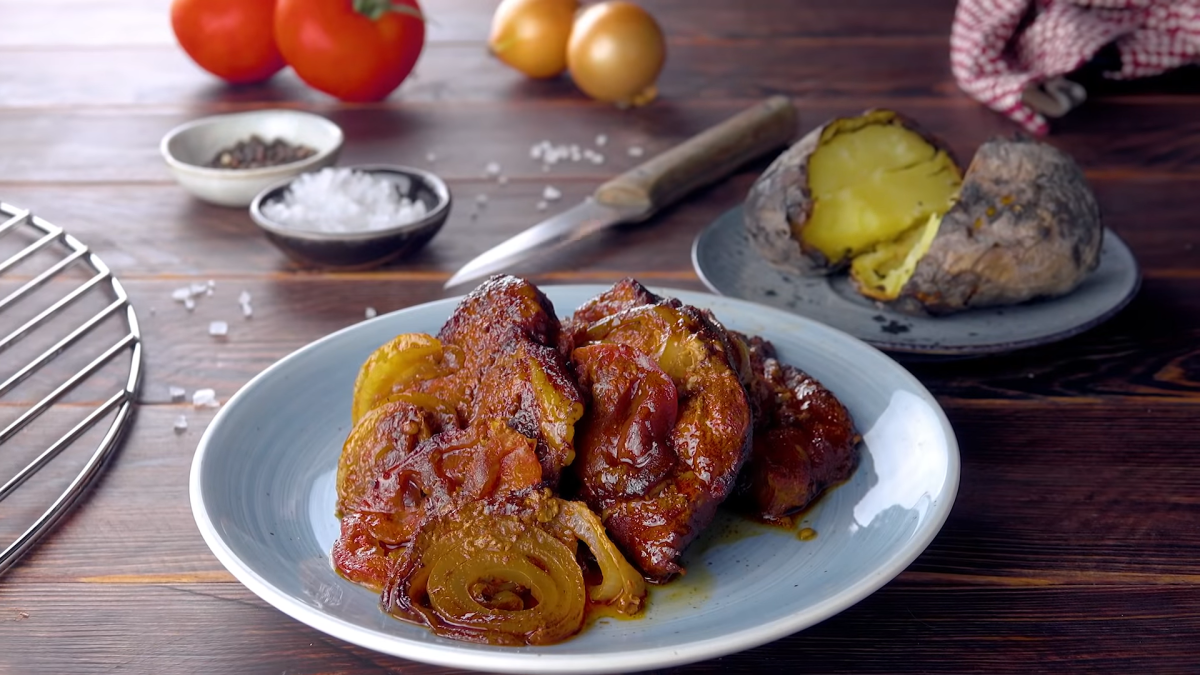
pixel 622 586
pixel 493 578
pixel 409 358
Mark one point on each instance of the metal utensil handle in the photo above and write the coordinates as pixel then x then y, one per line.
pixel 702 159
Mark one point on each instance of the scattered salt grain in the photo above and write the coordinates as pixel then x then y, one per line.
pixel 481 199
pixel 601 140
pixel 430 157
pixel 189 304
pixel 218 329
pixel 205 398
pixel 503 180
pixel 244 298
pixel 371 313
pixel 550 194
pixel 344 200
pixel 542 205
pixel 492 169
pixel 181 294
pixel 180 424
pixel 177 394
pixel 247 310
pixel 198 287
pixel 636 151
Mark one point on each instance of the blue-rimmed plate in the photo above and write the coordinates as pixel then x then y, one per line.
pixel 728 264
pixel 262 491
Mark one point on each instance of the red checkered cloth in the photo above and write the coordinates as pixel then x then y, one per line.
pixel 999 48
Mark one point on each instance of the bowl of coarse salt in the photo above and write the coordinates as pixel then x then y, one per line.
pixel 353 217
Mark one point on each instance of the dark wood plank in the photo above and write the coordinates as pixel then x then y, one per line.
pixel 1149 353
pixel 72 23
pixel 1025 514
pixel 114 145
pixel 949 629
pixel 461 73
pixel 159 229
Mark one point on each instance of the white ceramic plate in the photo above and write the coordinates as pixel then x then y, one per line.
pixel 262 491
pixel 728 264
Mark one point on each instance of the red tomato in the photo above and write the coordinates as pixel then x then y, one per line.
pixel 232 39
pixel 355 50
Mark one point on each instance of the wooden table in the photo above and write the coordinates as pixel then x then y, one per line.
pixel 1075 540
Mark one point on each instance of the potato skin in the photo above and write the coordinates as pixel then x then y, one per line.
pixel 780 202
pixel 779 198
pixel 1026 225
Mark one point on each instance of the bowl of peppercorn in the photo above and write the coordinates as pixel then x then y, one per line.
pixel 228 159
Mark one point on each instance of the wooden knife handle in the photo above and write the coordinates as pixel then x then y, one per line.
pixel 702 159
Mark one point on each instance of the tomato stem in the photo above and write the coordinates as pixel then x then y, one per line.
pixel 373 9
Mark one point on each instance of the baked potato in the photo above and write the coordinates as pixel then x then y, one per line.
pixel 876 195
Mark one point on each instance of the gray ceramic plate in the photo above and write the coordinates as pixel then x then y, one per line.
pixel 262 491
pixel 728 264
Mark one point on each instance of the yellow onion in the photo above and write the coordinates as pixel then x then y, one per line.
pixel 531 35
pixel 487 576
pixel 621 587
pixel 616 52
pixel 406 360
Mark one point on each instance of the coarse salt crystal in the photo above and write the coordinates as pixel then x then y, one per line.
pixel 198 287
pixel 550 194
pixel 636 151
pixel 430 157
pixel 371 313
pixel 503 180
pixel 189 304
pixel 177 393
pixel 247 310
pixel 205 398
pixel 344 200
pixel 492 169
pixel 542 205
pixel 181 294
pixel 601 140
pixel 180 424
pixel 218 328
pixel 244 297
pixel 481 199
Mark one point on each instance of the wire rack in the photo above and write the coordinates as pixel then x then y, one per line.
pixel 70 368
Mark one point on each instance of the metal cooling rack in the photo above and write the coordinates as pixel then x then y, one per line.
pixel 68 259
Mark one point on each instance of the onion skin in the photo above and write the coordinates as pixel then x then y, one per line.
pixel 616 52
pixel 531 35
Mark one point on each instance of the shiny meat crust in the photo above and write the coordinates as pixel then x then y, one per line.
pixel 804 439
pixel 656 484
pixel 497 420
pixel 624 294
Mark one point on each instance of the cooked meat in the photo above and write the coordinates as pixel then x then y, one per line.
pixel 486 409
pixel 804 438
pixel 656 472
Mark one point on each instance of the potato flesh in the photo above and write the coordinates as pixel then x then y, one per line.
pixel 882 272
pixel 873 184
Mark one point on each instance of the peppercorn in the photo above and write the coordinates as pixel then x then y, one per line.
pixel 255 153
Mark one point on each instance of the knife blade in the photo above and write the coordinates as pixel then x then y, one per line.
pixel 638 193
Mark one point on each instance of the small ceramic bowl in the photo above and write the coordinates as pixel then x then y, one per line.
pixel 361 249
pixel 189 148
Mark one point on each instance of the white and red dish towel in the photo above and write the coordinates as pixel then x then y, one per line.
pixel 1001 51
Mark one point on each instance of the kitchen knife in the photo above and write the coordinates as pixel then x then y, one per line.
pixel 638 193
